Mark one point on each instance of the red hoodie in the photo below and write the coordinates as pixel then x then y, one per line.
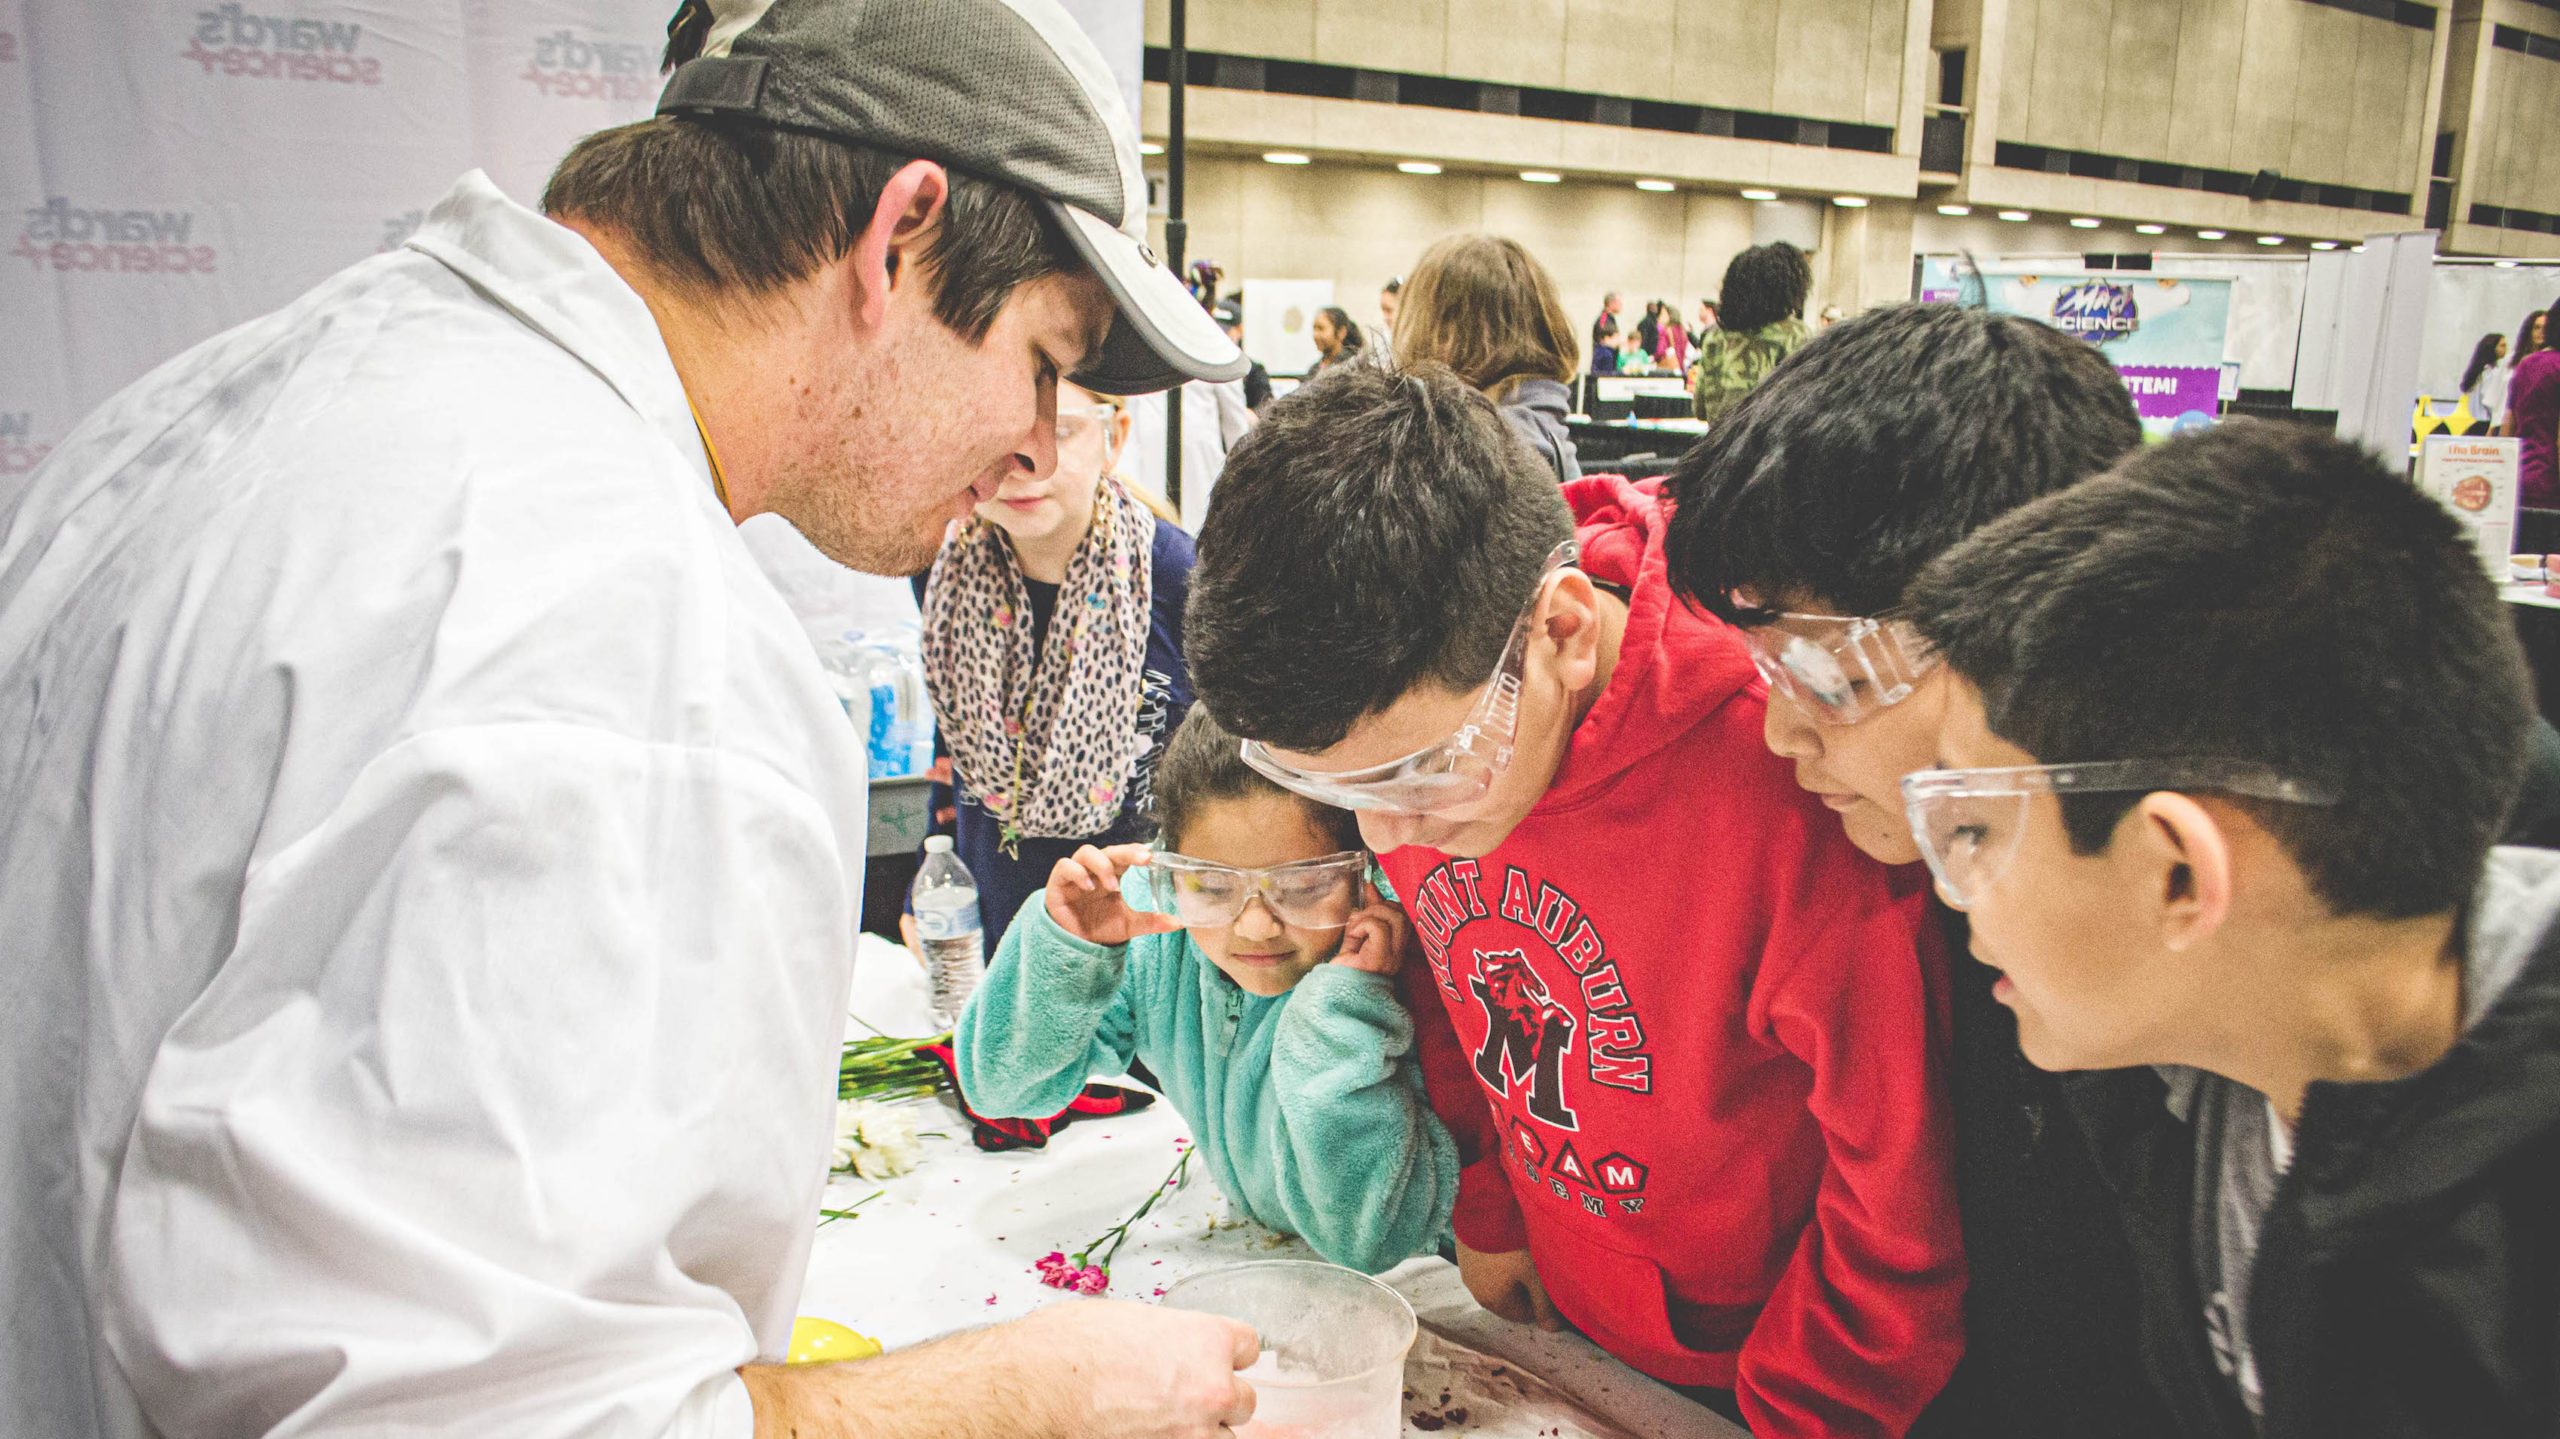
pixel 1714 1055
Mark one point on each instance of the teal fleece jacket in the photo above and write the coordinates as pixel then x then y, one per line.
pixel 1307 1105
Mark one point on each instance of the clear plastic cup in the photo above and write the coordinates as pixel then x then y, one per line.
pixel 1333 1346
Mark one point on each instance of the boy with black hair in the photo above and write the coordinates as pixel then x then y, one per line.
pixel 1883 442
pixel 1677 1025
pixel 2232 730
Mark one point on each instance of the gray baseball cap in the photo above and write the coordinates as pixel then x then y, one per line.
pixel 1008 90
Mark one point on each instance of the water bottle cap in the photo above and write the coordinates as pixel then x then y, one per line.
pixel 937 844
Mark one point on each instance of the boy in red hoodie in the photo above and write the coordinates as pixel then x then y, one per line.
pixel 1680 1028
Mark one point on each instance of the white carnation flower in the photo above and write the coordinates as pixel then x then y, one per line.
pixel 848 1131
pixel 874 1140
pixel 889 1144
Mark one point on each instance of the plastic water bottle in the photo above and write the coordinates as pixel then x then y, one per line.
pixel 945 898
pixel 880 682
pixel 914 728
pixel 843 664
pixel 888 761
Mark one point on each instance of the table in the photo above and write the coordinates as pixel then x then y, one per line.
pixel 951 1245
pixel 1632 446
pixel 2537 617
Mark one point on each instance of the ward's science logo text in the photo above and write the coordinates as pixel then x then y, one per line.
pixel 66 238
pixel 237 43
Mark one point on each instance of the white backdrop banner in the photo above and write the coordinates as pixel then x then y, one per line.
pixel 170 168
pixel 1277 314
pixel 2266 311
pixel 2468 301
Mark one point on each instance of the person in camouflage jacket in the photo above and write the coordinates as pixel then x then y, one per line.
pixel 1733 362
pixel 1763 307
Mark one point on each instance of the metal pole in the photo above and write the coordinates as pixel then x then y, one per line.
pixel 1176 230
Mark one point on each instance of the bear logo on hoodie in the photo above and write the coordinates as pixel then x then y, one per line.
pixel 1527 1036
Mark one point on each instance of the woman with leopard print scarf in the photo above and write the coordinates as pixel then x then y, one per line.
pixel 1052 647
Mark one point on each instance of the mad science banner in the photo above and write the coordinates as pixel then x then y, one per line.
pixel 170 168
pixel 2167 336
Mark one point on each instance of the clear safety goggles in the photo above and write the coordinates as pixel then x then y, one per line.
pixel 1310 894
pixel 1451 773
pixel 1840 669
pixel 1083 424
pixel 1968 821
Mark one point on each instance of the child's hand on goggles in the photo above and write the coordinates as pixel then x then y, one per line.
pixel 1084 897
pixel 1375 940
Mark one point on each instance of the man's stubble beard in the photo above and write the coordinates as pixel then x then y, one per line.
pixel 849 527
pixel 841 497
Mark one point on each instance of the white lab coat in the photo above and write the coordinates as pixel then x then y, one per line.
pixel 2489 396
pixel 1214 419
pixel 429 865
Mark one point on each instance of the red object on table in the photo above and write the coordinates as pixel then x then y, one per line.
pixel 1099 1101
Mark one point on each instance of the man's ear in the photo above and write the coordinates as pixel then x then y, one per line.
pixel 2184 861
pixel 1569 616
pixel 908 214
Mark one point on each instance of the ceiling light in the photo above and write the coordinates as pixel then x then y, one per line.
pixel 2211 234
pixel 1284 157
pixel 2324 244
pixel 2151 229
pixel 1956 210
pixel 1659 187
pixel 2271 239
pixel 2014 216
pixel 2355 249
pixel 2083 222
pixel 1541 177
pixel 1759 194
pixel 1149 147
pixel 2506 264
pixel 1417 167
pixel 1850 202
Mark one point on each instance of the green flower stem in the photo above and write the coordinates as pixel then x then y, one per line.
pixel 889 1068
pixel 832 1215
pixel 1095 1254
pixel 915 1090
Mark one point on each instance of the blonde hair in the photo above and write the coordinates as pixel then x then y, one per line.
pixel 1156 504
pixel 1483 306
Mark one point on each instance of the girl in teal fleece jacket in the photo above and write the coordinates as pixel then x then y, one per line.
pixel 1271 1022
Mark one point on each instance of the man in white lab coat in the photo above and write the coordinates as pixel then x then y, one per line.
pixel 429 855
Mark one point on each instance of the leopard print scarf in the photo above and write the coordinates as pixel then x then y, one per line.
pixel 1044 741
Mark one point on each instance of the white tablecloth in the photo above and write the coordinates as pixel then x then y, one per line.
pixel 951 1245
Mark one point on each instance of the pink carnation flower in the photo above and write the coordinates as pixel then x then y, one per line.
pixel 1092 1281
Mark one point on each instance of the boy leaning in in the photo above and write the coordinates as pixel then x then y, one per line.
pixel 1803 518
pixel 2233 729
pixel 1677 1024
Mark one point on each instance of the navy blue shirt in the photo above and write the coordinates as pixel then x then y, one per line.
pixel 1005 882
